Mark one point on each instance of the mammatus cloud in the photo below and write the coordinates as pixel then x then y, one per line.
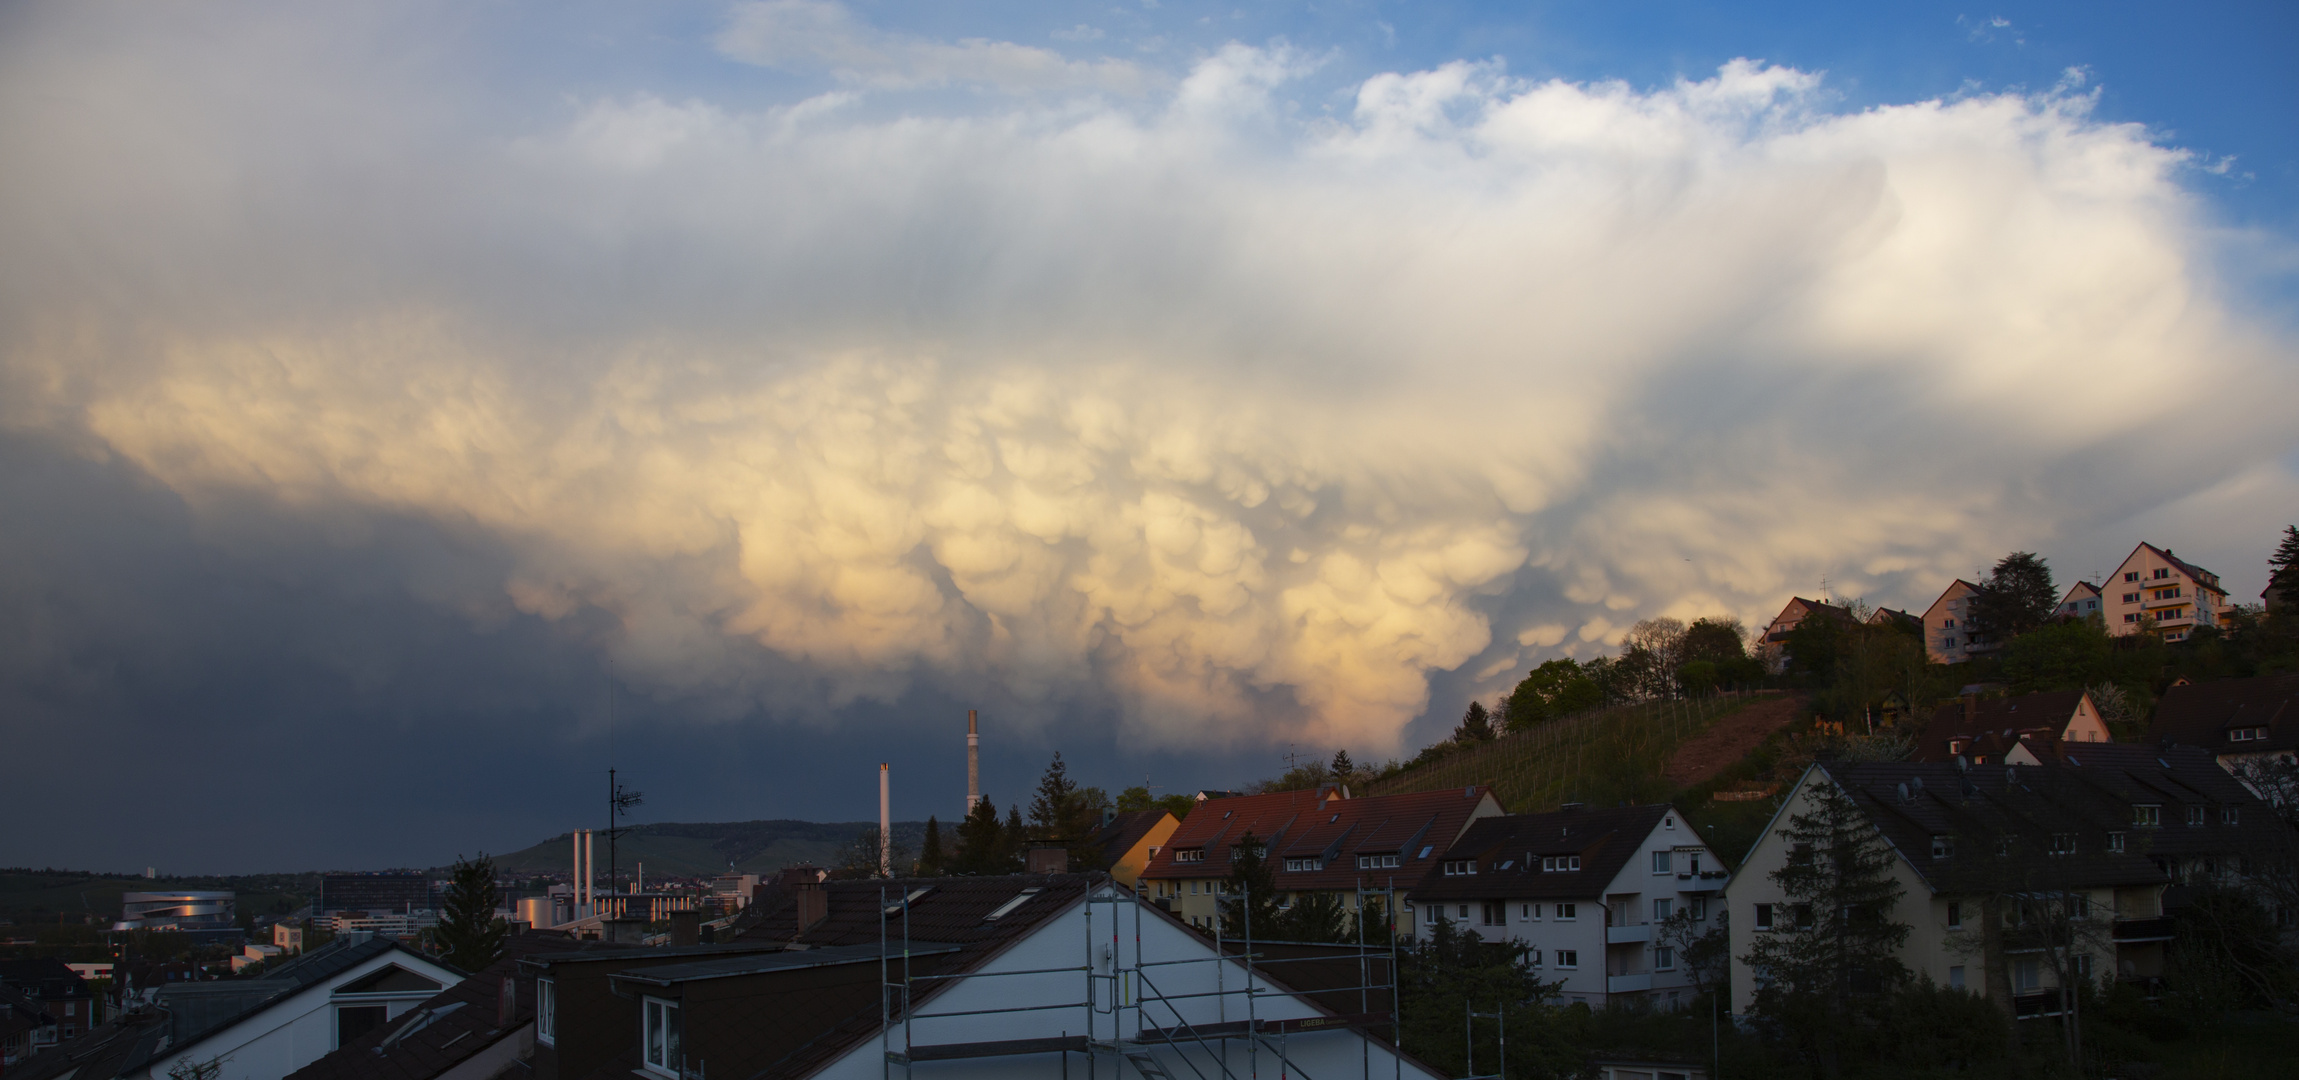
pixel 1243 426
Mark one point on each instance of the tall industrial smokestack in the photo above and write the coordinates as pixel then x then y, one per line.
pixel 885 827
pixel 590 867
pixel 973 763
pixel 575 878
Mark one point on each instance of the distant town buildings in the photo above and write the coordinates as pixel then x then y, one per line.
pixel 184 910
pixel 1948 637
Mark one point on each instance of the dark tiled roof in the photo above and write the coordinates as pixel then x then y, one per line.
pixel 43 977
pixel 1604 839
pixel 2087 792
pixel 1896 618
pixel 1304 825
pixel 1123 832
pixel 2200 575
pixel 1996 725
pixel 19 1013
pixel 1811 608
pixel 2200 714
pixel 101 1054
pixel 447 1029
pixel 814 1016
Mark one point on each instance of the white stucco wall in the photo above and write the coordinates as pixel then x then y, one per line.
pixel 295 1031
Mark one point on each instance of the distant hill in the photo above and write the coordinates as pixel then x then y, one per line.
pixel 674 849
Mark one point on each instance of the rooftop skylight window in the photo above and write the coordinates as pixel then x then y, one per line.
pixel 1004 909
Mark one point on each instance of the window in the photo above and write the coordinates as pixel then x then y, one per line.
pixel 1943 847
pixel 1568 958
pixel 1699 909
pixel 1525 911
pixel 1668 823
pixel 1955 915
pixel 661 1038
pixel 1661 909
pixel 1764 916
pixel 2147 815
pixel 1536 957
pixel 1189 855
pixel 1664 959
pixel 2195 815
pixel 1464 912
pixel 1949 624
pixel 1376 862
pixel 2027 976
pixel 1692 863
pixel 1303 864
pixel 1495 913
pixel 2167 594
pixel 2063 843
pixel 1956 977
pixel 353 1021
pixel 2132 576
pixel 2159 574
pixel 2083 965
pixel 1560 864
pixel 1800 855
pixel 1803 913
pixel 1567 912
pixel 2228 815
pixel 1660 862
pixel 546 1012
pixel 1460 867
pixel 2131 616
pixel 2115 842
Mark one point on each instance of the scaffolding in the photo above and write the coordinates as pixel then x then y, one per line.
pixel 1112 987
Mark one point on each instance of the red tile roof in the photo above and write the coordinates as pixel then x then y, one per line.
pixel 1996 725
pixel 1415 826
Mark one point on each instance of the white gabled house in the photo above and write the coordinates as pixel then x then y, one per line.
pixel 1586 890
pixel 265 1028
pixel 1024 975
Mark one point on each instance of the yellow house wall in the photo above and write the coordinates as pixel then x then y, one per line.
pixel 1128 869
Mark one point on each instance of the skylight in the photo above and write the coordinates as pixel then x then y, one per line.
pixel 1018 900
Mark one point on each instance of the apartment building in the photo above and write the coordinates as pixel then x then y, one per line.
pixel 2082 599
pixel 1319 841
pixel 1586 890
pixel 2157 589
pixel 1772 644
pixel 1983 731
pixel 1948 625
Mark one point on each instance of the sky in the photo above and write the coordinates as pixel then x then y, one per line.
pixel 409 410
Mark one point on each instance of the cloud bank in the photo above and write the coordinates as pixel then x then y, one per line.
pixel 1239 425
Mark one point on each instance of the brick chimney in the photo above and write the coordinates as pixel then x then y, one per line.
pixel 686 928
pixel 813 901
pixel 1047 860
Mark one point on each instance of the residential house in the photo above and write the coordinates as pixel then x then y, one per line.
pixel 1772 644
pixel 1948 635
pixel 55 989
pixel 479 1029
pixel 1315 841
pixel 266 1027
pixel 102 1054
pixel 2271 597
pixel 2237 720
pixel 1984 730
pixel 2154 588
pixel 1895 619
pixel 2082 600
pixel 25 1028
pixel 1128 841
pixel 2101 834
pixel 1586 889
pixel 1024 975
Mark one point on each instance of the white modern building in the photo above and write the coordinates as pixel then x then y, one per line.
pixel 1587 890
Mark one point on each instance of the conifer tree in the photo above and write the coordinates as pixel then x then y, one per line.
pixel 983 847
pixel 930 857
pixel 1250 890
pixel 2017 597
pixel 1066 814
pixel 1343 768
pixel 2285 576
pixel 1476 725
pixel 469 935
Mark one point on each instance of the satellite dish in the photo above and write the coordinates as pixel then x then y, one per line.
pixel 1903 792
pixel 1916 782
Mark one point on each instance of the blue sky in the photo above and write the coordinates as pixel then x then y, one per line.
pixel 1183 385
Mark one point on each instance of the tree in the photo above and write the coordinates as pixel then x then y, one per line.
pixel 1316 916
pixel 1065 814
pixel 1835 954
pixel 1476 725
pixel 984 846
pixel 1705 952
pixel 1250 891
pixel 1557 688
pixel 2285 576
pixel 930 857
pixel 1655 647
pixel 469 935
pixel 2017 597
pixel 2061 656
pixel 1138 797
pixel 1343 769
pixel 1815 644
pixel 1439 980
pixel 1718 639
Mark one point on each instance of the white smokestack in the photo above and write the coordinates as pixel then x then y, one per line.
pixel 973 762
pixel 885 827
pixel 590 866
pixel 575 878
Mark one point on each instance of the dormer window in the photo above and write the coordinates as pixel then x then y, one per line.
pixel 2195 815
pixel 1460 867
pixel 1943 846
pixel 2115 842
pixel 1195 854
pixel 2229 815
pixel 1560 864
pixel 1304 864
pixel 1376 862
pixel 2063 843
pixel 2147 815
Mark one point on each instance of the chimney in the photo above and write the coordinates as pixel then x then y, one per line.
pixel 1046 860
pixel 813 901
pixel 973 762
pixel 686 927
pixel 506 1001
pixel 885 827
pixel 575 877
pixel 1971 709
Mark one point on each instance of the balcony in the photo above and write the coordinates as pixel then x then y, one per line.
pixel 1628 984
pixel 1624 935
pixel 2134 931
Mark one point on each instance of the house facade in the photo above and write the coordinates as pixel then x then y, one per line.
pixel 1984 730
pixel 2076 848
pixel 1128 841
pixel 1315 842
pixel 2157 589
pixel 1948 625
pixel 1587 891
pixel 1772 644
pixel 2082 600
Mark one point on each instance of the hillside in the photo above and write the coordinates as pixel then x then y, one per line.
pixel 674 849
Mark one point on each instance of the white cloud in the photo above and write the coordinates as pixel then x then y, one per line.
pixel 1242 427
pixel 821 35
